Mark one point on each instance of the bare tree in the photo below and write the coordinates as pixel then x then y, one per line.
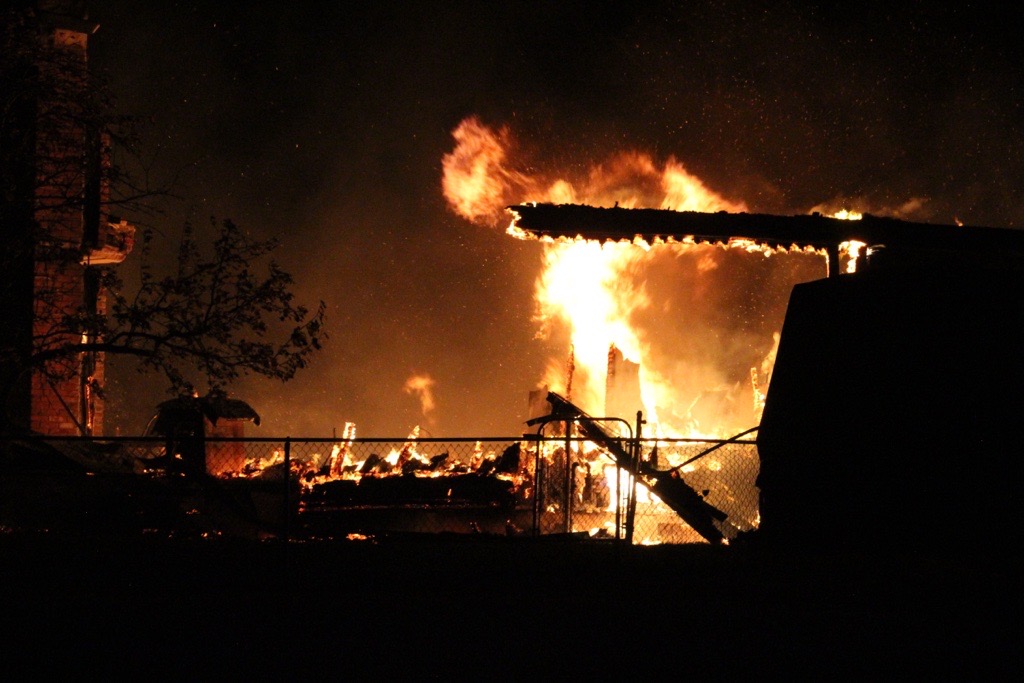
pixel 226 311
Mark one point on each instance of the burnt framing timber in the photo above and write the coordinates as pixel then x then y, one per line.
pixel 781 232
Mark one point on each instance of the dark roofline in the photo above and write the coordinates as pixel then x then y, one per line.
pixel 814 230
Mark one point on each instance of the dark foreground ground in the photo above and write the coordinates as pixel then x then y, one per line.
pixel 442 607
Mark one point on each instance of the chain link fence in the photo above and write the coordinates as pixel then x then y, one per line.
pixel 337 488
pixel 588 492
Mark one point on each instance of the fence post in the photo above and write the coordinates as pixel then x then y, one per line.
pixel 287 486
pixel 635 456
pixel 567 479
pixel 538 484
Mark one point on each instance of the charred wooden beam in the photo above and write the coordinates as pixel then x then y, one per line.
pixel 813 230
pixel 443 491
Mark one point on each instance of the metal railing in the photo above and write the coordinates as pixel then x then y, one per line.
pixel 305 489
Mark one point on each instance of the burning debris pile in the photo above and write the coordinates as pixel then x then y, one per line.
pixel 349 477
pixel 407 477
pixel 582 483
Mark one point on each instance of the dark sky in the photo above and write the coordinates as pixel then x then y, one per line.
pixel 325 125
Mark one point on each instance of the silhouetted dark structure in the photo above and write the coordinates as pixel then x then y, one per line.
pixel 892 410
pixel 186 421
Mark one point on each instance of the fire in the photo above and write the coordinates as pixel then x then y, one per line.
pixel 598 295
pixel 476 180
pixel 339 459
pixel 852 251
pixel 422 386
pixel 413 458
pixel 580 284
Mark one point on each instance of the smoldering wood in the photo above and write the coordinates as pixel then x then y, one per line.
pixel 445 490
pixel 508 461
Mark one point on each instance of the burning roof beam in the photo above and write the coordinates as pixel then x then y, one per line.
pixel 814 230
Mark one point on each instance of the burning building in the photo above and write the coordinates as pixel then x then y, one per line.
pixel 889 416
pixel 883 373
pixel 60 235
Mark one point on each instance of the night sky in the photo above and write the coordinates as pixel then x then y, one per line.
pixel 326 126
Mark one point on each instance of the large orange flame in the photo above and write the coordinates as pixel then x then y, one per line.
pixel 598 292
